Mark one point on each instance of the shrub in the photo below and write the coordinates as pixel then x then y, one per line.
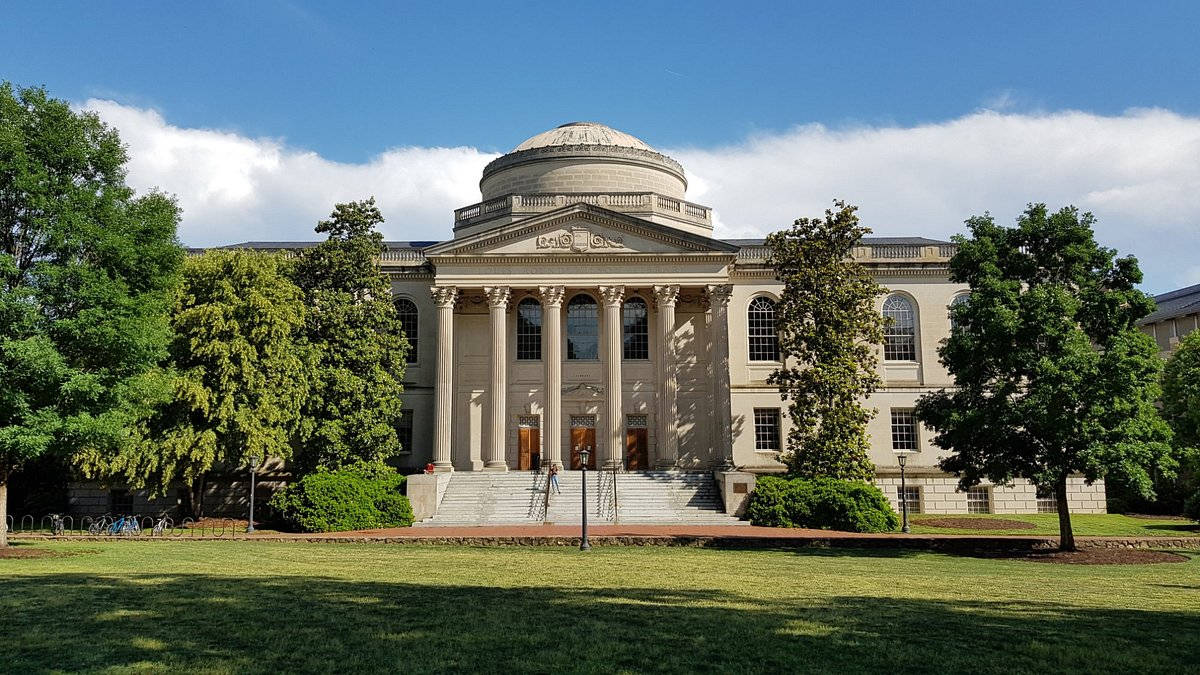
pixel 821 503
pixel 356 498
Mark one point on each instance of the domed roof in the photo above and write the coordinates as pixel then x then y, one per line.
pixel 583 133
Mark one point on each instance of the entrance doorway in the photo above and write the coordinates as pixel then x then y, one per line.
pixel 529 443
pixel 637 453
pixel 583 435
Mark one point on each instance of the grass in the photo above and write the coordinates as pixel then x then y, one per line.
pixel 285 607
pixel 1084 524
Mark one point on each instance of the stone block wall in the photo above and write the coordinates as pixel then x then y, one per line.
pixel 940 495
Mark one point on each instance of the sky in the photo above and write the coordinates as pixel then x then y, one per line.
pixel 260 116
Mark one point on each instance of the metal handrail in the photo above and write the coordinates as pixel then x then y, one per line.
pixel 614 481
pixel 546 506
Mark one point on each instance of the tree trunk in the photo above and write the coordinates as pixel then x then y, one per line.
pixel 3 508
pixel 1066 536
pixel 196 496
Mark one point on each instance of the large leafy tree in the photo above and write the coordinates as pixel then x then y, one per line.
pixel 829 330
pixel 239 373
pixel 1181 408
pixel 354 407
pixel 87 273
pixel 1052 376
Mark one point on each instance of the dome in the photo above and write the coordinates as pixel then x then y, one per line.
pixel 583 158
pixel 583 133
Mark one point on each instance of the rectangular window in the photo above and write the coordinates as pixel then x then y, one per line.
pixel 904 430
pixel 910 495
pixel 979 500
pixel 404 429
pixel 1047 503
pixel 766 429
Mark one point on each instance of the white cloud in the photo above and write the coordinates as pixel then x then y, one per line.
pixel 233 188
pixel 1138 172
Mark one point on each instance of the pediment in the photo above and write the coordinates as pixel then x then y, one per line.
pixel 581 229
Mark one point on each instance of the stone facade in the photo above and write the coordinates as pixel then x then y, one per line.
pixel 649 342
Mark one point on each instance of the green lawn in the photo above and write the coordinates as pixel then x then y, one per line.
pixel 1109 524
pixel 279 607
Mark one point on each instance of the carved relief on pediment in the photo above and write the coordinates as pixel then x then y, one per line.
pixel 578 240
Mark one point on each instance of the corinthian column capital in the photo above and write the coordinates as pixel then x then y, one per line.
pixel 497 296
pixel 666 295
pixel 444 296
pixel 612 295
pixel 719 294
pixel 552 296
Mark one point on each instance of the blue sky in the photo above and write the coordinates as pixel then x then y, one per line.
pixel 713 83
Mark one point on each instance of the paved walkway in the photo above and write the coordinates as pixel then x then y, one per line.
pixel 729 536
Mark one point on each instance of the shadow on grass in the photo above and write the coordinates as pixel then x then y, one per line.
pixel 1189 528
pixel 77 622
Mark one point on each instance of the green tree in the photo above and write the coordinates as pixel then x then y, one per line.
pixel 354 408
pixel 87 273
pixel 829 330
pixel 1052 376
pixel 239 374
pixel 1181 408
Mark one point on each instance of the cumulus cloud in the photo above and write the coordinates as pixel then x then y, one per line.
pixel 233 188
pixel 1138 172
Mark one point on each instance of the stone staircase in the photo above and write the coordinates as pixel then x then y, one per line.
pixel 519 498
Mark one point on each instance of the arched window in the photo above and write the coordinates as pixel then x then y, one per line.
pixel 583 329
pixel 900 335
pixel 635 331
pixel 529 330
pixel 760 326
pixel 406 312
pixel 958 300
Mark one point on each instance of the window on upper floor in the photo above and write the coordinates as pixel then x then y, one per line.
pixel 766 429
pixel 958 300
pixel 529 330
pixel 635 330
pixel 406 312
pixel 760 328
pixel 904 430
pixel 900 333
pixel 583 329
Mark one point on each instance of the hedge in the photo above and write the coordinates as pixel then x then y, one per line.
pixel 821 503
pixel 358 498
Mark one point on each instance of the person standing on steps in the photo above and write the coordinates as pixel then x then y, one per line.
pixel 554 479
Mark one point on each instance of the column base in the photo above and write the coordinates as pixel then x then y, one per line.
pixel 496 467
pixel 443 468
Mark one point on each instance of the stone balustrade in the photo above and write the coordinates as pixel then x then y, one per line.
pixel 626 202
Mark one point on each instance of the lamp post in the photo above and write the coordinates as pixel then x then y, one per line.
pixel 584 453
pixel 253 479
pixel 902 459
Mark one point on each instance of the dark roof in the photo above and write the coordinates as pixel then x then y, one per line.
pixel 869 241
pixel 1181 302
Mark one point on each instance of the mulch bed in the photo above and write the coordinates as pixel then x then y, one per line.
pixel 976 523
pixel 11 551
pixel 1102 556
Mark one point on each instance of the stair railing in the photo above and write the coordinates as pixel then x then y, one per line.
pixel 546 505
pixel 614 493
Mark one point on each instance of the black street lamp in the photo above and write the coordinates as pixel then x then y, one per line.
pixel 902 459
pixel 253 479
pixel 584 453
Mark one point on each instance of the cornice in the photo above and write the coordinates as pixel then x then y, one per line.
pixel 580 258
pixel 654 159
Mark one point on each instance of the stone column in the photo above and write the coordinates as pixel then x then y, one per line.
pixel 552 298
pixel 614 425
pixel 444 297
pixel 668 386
pixel 718 297
pixel 497 297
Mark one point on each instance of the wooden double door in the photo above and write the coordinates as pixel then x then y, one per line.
pixel 637 451
pixel 583 435
pixel 529 444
